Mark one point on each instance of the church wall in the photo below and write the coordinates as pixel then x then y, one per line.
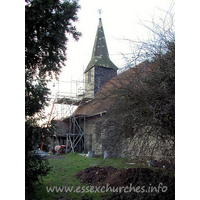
pixel 142 145
pixel 94 134
pixel 61 126
pixel 89 83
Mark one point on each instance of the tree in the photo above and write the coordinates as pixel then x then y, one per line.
pixel 46 25
pixel 143 97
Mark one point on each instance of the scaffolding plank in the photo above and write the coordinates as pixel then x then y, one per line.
pixel 71 101
pixel 64 100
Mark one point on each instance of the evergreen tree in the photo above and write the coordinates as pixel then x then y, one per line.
pixel 46 25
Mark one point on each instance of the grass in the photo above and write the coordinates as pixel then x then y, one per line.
pixel 63 171
pixel 62 174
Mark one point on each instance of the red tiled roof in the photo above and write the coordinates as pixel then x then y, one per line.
pixel 100 103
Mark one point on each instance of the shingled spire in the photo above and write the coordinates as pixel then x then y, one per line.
pixel 100 68
pixel 100 56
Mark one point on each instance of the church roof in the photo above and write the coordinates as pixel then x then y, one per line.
pixel 101 102
pixel 100 56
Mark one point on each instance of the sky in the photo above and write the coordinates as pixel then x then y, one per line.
pixel 121 22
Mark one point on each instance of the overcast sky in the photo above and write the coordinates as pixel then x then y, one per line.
pixel 121 20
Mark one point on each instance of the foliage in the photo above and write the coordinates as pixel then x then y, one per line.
pixel 46 25
pixel 35 166
pixel 149 96
pixel 47 22
pixel 161 91
pixel 144 96
pixel 36 95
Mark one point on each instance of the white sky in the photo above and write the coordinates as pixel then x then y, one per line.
pixel 121 19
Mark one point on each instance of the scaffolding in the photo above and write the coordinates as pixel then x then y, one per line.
pixel 64 106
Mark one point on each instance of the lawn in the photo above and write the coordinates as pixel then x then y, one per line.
pixel 62 174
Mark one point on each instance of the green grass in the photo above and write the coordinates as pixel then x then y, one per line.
pixel 63 171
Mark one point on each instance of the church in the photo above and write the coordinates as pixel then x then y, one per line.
pixel 100 68
pixel 87 128
pixel 76 130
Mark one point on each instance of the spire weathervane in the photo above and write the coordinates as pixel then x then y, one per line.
pixel 100 11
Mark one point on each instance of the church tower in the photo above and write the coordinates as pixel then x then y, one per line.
pixel 100 68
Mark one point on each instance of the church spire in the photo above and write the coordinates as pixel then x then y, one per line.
pixel 100 56
pixel 100 46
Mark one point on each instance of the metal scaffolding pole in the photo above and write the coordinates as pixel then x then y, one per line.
pixel 76 133
pixel 84 135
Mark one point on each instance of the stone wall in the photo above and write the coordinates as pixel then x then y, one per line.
pixel 61 126
pixel 99 138
pixel 94 133
pixel 142 145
